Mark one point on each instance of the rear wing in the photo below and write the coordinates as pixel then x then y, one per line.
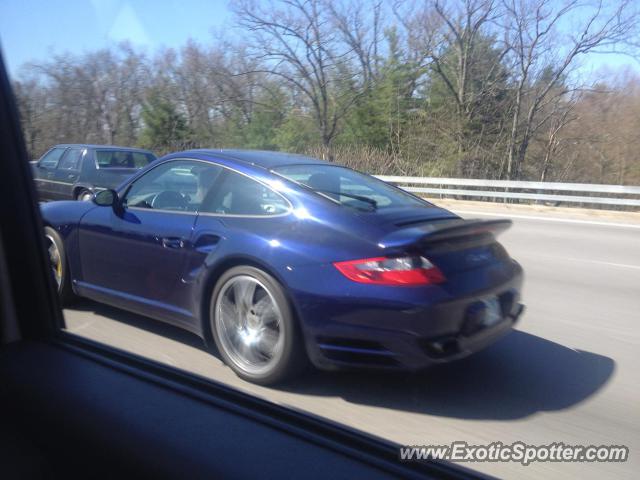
pixel 437 231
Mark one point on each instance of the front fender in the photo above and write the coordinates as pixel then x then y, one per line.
pixel 65 217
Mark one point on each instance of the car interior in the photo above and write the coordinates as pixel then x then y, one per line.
pixel 70 407
pixel 236 195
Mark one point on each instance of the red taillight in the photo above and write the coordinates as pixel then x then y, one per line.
pixel 408 271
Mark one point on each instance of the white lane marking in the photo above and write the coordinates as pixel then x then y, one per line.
pixel 584 260
pixel 548 219
pixel 612 264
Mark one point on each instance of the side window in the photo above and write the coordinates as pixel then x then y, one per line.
pixel 51 158
pixel 123 159
pixel 240 195
pixel 114 159
pixel 178 185
pixel 142 159
pixel 71 159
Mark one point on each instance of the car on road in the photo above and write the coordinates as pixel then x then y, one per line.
pixel 76 172
pixel 280 260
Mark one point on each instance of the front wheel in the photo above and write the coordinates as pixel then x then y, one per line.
pixel 59 266
pixel 254 328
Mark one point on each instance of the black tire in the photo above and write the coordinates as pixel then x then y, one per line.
pixel 84 195
pixel 292 359
pixel 65 292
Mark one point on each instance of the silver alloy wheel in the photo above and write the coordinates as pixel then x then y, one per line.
pixel 249 324
pixel 85 196
pixel 55 260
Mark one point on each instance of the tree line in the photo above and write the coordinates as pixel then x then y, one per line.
pixel 470 88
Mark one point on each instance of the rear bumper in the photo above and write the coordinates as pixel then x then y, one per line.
pixel 376 336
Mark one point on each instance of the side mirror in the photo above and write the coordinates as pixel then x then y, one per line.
pixel 109 198
pixel 106 198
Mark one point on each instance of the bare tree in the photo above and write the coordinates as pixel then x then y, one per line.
pixel 605 138
pixel 455 54
pixel 31 100
pixel 94 97
pixel 457 45
pixel 361 26
pixel 295 40
pixel 562 114
pixel 542 57
pixel 485 88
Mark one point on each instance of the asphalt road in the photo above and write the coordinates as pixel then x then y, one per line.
pixel 569 373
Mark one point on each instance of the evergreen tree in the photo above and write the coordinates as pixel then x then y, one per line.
pixel 165 128
pixel 472 103
pixel 380 115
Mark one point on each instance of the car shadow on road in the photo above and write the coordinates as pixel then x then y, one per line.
pixel 139 321
pixel 518 376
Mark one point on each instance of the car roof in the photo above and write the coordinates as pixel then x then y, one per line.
pixel 260 158
pixel 102 147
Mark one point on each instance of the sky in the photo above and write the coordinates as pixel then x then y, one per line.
pixel 34 29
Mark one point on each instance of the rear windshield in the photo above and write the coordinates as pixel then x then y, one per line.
pixel 123 159
pixel 348 187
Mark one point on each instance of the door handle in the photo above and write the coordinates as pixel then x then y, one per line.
pixel 172 242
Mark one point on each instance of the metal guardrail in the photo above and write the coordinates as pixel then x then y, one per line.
pixel 508 189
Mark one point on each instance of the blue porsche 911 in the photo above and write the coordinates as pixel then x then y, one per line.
pixel 281 260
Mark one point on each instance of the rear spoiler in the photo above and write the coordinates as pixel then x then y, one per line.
pixel 437 231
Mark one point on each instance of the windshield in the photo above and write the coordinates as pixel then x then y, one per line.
pixel 123 159
pixel 348 187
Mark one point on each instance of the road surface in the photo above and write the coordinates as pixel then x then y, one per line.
pixel 569 373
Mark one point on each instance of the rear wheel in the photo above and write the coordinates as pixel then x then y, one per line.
pixel 253 327
pixel 58 265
